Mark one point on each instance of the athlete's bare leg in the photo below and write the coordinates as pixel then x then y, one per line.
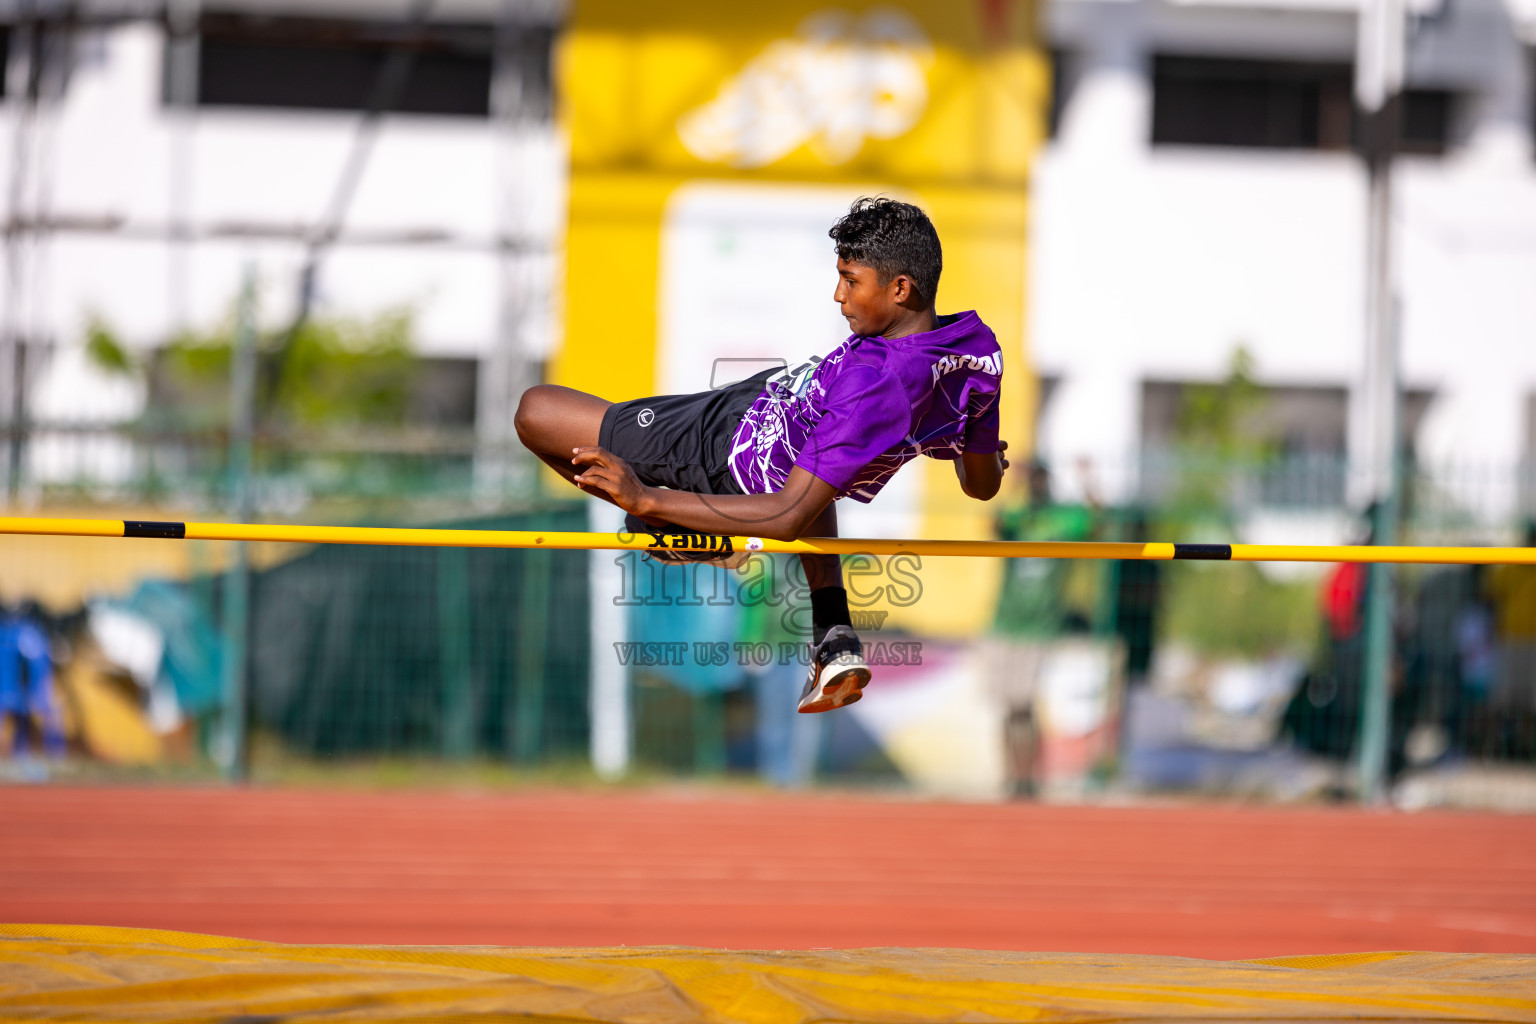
pixel 552 422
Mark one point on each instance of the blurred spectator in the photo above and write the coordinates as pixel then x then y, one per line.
pixel 1344 599
pixel 28 704
pixel 1513 700
pixel 1041 599
pixel 1038 599
pixel 1451 656
pixel 1138 591
pixel 1324 715
pixel 1477 650
pixel 786 742
pixel 1477 646
pixel 1434 645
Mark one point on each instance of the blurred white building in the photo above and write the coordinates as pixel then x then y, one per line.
pixel 1199 195
pixel 171 146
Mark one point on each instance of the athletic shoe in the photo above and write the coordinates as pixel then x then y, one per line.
pixel 838 672
pixel 728 558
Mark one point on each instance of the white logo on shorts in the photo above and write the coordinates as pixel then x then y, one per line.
pixel 645 417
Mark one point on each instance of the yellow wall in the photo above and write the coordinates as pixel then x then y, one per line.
pixel 631 75
pixel 613 256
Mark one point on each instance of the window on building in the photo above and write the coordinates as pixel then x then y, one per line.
pixel 1060 88
pixel 1426 121
pixel 331 64
pixel 1295 436
pixel 1271 104
pixel 440 393
pixel 1048 384
pixel 1205 101
pixel 1298 418
pixel 443 392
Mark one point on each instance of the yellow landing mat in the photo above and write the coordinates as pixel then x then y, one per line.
pixel 55 972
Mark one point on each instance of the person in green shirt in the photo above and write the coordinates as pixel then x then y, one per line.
pixel 1044 597
pixel 1041 598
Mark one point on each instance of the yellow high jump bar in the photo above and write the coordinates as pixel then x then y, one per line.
pixel 705 544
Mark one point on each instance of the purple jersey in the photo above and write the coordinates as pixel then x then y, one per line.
pixel 854 418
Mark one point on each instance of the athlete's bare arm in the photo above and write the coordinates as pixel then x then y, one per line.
pixel 786 515
pixel 981 475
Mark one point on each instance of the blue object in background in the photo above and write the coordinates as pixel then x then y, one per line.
pixel 670 610
pixel 26 685
pixel 787 742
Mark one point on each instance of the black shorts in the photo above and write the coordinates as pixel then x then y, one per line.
pixel 682 441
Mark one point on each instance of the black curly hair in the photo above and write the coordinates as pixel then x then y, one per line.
pixel 891 238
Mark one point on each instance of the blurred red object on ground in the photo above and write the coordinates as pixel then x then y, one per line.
pixel 742 871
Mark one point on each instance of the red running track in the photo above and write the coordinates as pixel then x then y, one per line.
pixel 768 872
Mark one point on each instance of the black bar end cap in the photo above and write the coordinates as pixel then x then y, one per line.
pixel 1203 552
pixel 149 528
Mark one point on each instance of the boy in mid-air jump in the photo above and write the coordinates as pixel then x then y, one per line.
pixel 770 455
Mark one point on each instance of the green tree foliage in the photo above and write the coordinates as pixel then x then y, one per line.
pixel 329 374
pixel 1231 609
pixel 1220 448
pixel 1220 420
pixel 105 351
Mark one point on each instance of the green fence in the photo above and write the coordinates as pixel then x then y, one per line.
pixel 1232 672
pixel 446 651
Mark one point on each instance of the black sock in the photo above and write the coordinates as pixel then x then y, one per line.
pixel 829 607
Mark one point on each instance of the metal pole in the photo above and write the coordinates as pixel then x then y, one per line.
pixel 25 82
pixel 532 644
pixel 182 52
pixel 608 695
pixel 1378 87
pixel 55 48
pixel 389 87
pixel 455 653
pixel 233 751
pixel 503 468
